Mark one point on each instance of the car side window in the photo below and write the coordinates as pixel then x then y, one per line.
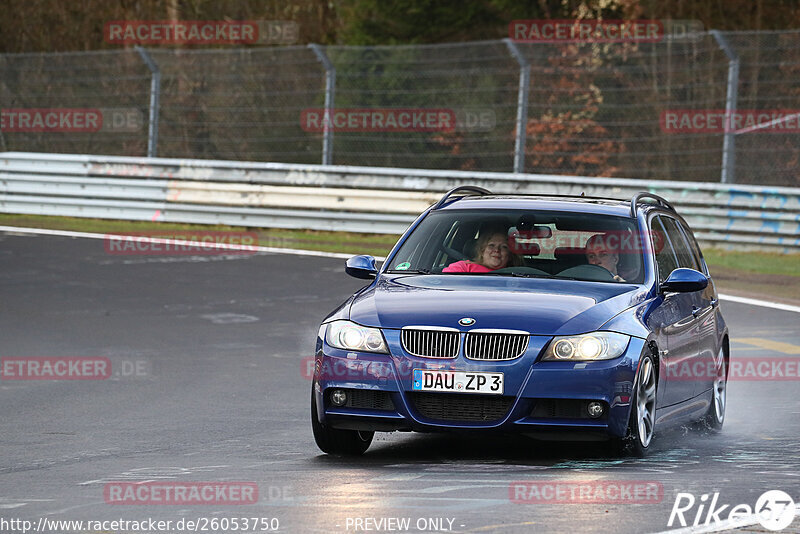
pixel 665 256
pixel 684 254
pixel 443 257
pixel 695 248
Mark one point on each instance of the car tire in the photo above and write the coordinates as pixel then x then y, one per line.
pixel 715 417
pixel 336 441
pixel 641 423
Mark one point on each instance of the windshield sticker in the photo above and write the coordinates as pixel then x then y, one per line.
pixel 403 266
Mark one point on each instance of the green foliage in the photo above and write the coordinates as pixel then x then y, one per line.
pixel 372 22
pixel 53 25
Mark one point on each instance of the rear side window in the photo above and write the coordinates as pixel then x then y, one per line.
pixel 679 244
pixel 665 255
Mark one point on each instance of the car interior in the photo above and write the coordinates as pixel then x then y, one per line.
pixel 546 244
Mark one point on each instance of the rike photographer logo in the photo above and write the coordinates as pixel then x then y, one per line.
pixel 774 510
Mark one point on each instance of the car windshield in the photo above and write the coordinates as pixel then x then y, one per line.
pixel 547 244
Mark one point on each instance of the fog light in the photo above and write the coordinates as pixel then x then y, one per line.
pixel 595 409
pixel 338 397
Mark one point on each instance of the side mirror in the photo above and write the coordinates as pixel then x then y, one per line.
pixel 684 281
pixel 361 267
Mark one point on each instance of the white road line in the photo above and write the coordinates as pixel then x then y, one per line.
pixel 229 246
pixel 762 303
pixel 728 524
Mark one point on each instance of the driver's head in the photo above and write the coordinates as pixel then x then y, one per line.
pixel 599 252
pixel 492 249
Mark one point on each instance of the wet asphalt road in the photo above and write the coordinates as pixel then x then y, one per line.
pixel 212 351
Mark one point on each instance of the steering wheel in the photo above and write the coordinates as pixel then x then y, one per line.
pixel 453 253
pixel 588 271
pixel 521 270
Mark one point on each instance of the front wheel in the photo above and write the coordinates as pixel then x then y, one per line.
pixel 642 422
pixel 335 441
pixel 716 411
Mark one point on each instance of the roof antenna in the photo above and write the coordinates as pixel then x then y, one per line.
pixel 583 193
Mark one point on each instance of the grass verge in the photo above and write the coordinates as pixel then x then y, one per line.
pixel 754 262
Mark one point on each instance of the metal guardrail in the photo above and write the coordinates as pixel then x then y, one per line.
pixel 357 199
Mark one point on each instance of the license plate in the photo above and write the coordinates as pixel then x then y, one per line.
pixel 457 381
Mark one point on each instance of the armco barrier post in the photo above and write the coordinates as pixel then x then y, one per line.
pixel 729 144
pixel 155 94
pixel 522 104
pixel 330 89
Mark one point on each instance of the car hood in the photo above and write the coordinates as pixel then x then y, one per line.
pixel 538 306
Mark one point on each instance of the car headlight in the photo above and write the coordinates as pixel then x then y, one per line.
pixel 587 347
pixel 351 336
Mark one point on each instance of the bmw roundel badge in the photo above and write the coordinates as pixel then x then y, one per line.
pixel 466 321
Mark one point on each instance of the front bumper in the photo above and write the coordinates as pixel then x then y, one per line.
pixel 541 399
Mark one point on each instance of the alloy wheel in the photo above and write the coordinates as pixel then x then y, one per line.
pixel 720 387
pixel 646 402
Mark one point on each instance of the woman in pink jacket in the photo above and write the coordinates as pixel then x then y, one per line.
pixel 492 254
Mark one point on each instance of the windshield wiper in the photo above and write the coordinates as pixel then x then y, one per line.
pixel 532 275
pixel 409 271
pixel 520 275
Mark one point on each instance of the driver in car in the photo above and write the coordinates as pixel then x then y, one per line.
pixel 492 253
pixel 600 251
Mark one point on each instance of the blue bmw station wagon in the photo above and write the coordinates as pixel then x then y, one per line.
pixel 557 317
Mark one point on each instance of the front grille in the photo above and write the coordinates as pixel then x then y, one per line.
pixel 368 399
pixel 496 344
pixel 430 342
pixel 461 407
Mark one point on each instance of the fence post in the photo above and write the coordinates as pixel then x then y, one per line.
pixel 729 143
pixel 522 104
pixel 330 89
pixel 155 96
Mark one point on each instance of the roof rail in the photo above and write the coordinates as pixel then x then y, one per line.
pixel 659 200
pixel 468 190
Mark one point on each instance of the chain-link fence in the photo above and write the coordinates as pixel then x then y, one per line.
pixel 590 109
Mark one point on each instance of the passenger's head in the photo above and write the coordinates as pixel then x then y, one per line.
pixel 600 251
pixel 492 249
